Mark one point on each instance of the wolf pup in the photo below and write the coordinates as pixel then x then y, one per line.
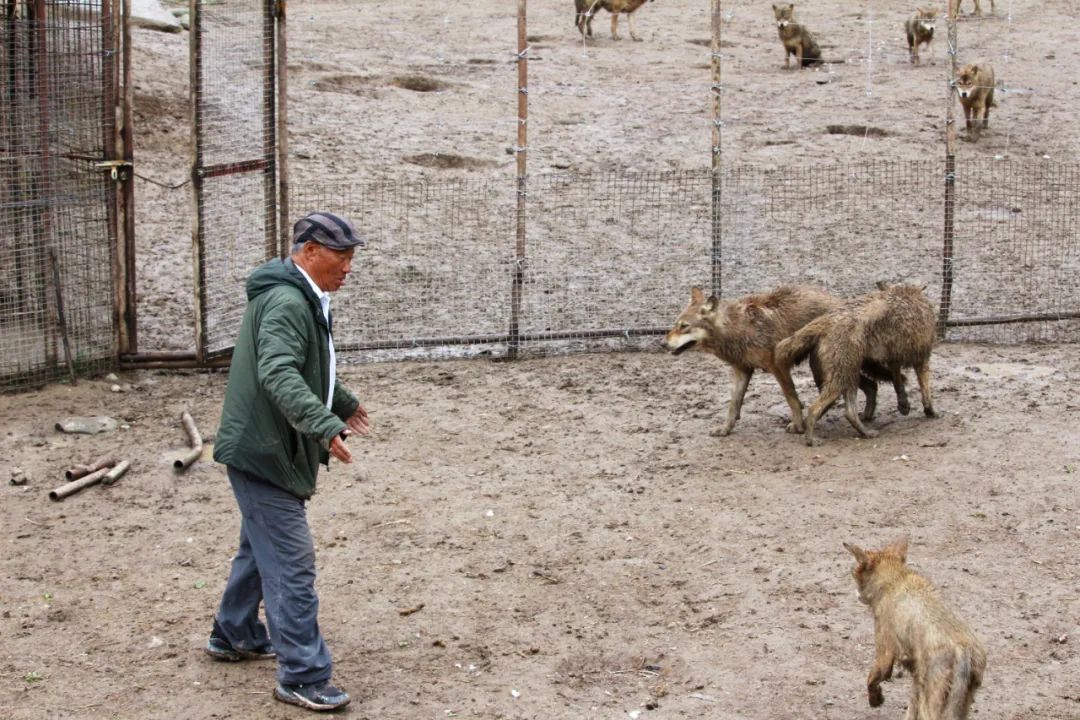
pixel 882 333
pixel 744 332
pixel 914 627
pixel 587 8
pixel 975 86
pixel 797 40
pixel 920 31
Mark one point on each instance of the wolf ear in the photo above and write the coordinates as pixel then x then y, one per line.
pixel 859 553
pixel 711 304
pixel 899 547
pixel 696 295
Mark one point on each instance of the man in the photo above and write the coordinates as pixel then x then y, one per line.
pixel 284 413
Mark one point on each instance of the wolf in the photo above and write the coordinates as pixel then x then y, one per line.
pixel 978 7
pixel 975 86
pixel 587 8
pixel 797 40
pixel 880 333
pixel 920 31
pixel 915 628
pixel 744 332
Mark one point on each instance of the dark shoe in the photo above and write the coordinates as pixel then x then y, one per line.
pixel 220 649
pixel 316 696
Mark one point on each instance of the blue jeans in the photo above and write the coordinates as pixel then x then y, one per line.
pixel 275 565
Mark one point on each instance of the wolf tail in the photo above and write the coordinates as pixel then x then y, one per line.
pixel 966 678
pixel 794 349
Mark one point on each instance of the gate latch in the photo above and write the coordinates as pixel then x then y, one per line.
pixel 114 167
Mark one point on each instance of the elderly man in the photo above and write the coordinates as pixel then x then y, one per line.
pixel 284 413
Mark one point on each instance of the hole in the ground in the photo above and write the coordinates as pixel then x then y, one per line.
pixel 418 83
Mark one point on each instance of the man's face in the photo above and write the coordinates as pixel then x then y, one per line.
pixel 328 268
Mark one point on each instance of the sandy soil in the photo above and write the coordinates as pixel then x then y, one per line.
pixel 580 545
pixel 576 542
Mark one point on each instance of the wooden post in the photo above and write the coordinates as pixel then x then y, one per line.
pixel 195 39
pixel 716 266
pixel 950 178
pixel 270 149
pixel 522 180
pixel 128 326
pixel 284 225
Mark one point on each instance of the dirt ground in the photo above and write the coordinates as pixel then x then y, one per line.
pixel 561 537
pixel 557 538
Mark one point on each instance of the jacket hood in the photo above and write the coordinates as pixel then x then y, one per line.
pixel 277 272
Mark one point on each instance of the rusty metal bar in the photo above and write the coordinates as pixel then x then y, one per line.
pixel 233 168
pixel 194 438
pixel 61 318
pixel 77 471
pixel 1010 319
pixel 115 473
pixel 75 486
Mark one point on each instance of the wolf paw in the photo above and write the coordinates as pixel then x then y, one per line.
pixel 812 441
pixel 722 431
pixel 868 434
pixel 875 697
pixel 867 417
pixel 931 413
pixel 794 429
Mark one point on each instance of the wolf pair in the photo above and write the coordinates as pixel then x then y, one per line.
pixel 850 345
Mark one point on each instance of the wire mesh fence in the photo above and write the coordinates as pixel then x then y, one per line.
pixel 235 169
pixel 57 232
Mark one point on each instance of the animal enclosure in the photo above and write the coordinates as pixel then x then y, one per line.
pixel 555 194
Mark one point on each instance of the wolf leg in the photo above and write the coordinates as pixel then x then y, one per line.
pixel 615 26
pixel 787 386
pixel 898 383
pixel 824 401
pixel 851 400
pixel 869 388
pixel 633 33
pixel 922 371
pixel 740 379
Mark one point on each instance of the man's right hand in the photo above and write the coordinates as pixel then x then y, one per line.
pixel 338 449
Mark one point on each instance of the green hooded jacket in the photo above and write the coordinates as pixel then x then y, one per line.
pixel 274 422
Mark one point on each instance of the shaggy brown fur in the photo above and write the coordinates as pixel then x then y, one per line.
pixel 975 87
pixel 914 627
pixel 920 31
pixel 888 330
pixel 744 332
pixel 797 40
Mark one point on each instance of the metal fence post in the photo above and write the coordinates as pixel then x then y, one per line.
pixel 950 180
pixel 717 232
pixel 521 151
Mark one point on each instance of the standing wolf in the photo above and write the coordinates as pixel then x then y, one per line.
pixel 914 627
pixel 975 87
pixel 920 30
pixel 587 8
pixel 883 333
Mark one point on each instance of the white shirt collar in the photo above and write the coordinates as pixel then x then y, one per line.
pixel 324 297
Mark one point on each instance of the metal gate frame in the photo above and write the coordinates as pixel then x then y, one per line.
pixel 213 323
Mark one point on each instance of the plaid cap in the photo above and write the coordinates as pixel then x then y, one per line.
pixel 328 229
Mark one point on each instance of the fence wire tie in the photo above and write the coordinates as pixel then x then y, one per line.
pixel 950 177
pixel 521 148
pixel 717 88
pixel 523 91
pixel 522 54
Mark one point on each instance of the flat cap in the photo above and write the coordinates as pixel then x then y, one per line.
pixel 328 229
